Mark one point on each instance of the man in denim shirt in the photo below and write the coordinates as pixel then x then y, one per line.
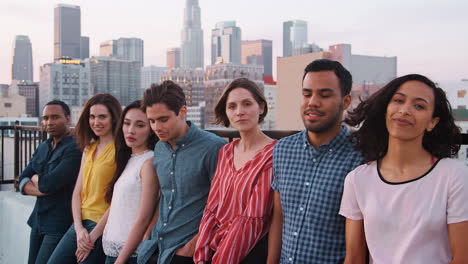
pixel 185 160
pixel 51 176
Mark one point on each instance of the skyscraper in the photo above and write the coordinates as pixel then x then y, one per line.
pixel 226 43
pixel 294 36
pixel 121 78
pixel 192 37
pixel 151 74
pixel 130 49
pixel 259 52
pixel 173 58
pixel 107 48
pixel 67 31
pixel 84 47
pixel 22 67
pixel 66 80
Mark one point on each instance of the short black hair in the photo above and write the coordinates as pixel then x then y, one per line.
pixel 65 108
pixel 168 93
pixel 346 80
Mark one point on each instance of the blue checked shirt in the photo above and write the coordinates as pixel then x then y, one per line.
pixel 310 183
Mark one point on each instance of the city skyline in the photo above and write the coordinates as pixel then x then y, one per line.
pixel 424 35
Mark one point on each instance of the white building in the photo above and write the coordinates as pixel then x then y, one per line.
pixel 196 114
pixel 66 80
pixel 270 96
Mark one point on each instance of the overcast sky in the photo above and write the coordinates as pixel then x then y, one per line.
pixel 428 37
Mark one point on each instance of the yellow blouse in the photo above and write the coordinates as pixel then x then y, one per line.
pixel 97 175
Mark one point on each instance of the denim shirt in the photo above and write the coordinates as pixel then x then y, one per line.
pixel 57 169
pixel 184 176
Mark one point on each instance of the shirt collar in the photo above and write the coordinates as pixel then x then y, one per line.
pixel 65 139
pixel 337 141
pixel 189 136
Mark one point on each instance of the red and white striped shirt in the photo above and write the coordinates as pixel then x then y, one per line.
pixel 239 207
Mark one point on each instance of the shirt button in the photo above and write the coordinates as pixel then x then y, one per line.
pixel 173 155
pixel 301 208
pixel 172 173
pixel 165 224
pixel 170 207
pixel 314 160
pixel 307 183
pixel 160 238
pixel 290 259
pixel 173 190
pixel 330 150
pixel 183 145
pixel 295 233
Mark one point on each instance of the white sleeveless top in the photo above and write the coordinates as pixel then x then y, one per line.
pixel 124 205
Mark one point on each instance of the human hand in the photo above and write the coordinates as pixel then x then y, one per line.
pixel 187 250
pixel 81 255
pixel 35 180
pixel 83 240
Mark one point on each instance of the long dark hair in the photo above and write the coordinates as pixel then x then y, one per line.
pixel 124 152
pixel 372 137
pixel 84 134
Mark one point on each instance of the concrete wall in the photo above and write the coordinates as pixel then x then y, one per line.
pixel 289 89
pixel 14 232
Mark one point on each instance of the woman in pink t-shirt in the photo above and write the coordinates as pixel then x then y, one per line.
pixel 409 203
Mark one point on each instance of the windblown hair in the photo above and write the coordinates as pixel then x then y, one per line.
pixel 84 134
pixel 124 152
pixel 168 93
pixel 252 87
pixel 372 137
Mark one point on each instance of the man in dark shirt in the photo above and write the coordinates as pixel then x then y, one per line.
pixel 51 176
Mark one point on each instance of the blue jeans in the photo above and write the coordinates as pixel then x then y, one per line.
pixel 111 260
pixel 65 251
pixel 41 246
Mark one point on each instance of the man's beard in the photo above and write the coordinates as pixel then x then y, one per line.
pixel 327 125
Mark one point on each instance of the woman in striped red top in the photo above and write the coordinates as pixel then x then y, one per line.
pixel 238 213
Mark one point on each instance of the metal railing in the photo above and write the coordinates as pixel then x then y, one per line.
pixel 25 140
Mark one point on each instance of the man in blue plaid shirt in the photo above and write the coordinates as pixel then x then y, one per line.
pixel 309 171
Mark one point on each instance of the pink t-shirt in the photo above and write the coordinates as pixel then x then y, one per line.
pixel 407 222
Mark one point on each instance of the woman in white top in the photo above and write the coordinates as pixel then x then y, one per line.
pixel 409 203
pixel 134 189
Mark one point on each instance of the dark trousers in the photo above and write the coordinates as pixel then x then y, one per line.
pixel 176 259
pixel 65 251
pixel 111 260
pixel 41 246
pixel 257 255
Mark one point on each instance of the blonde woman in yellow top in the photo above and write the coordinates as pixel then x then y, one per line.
pixel 95 133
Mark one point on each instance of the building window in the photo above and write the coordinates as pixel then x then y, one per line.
pixel 8 105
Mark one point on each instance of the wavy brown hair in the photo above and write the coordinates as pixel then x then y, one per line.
pixel 124 152
pixel 372 137
pixel 84 134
